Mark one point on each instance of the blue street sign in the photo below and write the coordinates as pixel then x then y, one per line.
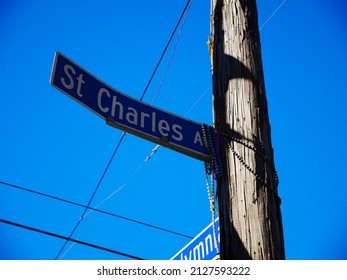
pixel 127 113
pixel 205 246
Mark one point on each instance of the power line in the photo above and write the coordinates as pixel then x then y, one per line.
pixel 265 23
pixel 171 56
pixel 93 209
pixel 92 197
pixel 122 137
pixel 70 239
pixel 165 49
pixel 198 100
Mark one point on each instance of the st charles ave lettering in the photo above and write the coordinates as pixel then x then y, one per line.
pixel 126 112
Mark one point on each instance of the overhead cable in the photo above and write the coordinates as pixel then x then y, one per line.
pixel 92 197
pixel 171 56
pixel 94 209
pixel 165 49
pixel 70 239
pixel 265 23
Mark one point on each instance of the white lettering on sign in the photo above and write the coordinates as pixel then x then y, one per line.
pixel 101 91
pixel 198 138
pixel 71 84
pixel 177 129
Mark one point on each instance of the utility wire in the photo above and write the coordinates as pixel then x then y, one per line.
pixel 265 23
pixel 171 56
pixel 93 209
pixel 197 101
pixel 92 197
pixel 165 49
pixel 69 239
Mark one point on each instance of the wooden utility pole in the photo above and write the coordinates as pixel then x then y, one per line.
pixel 249 205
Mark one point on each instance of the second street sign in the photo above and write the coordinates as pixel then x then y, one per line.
pixel 205 246
pixel 127 113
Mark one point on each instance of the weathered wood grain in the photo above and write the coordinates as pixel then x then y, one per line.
pixel 249 206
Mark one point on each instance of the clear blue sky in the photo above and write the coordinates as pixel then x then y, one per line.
pixel 51 144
